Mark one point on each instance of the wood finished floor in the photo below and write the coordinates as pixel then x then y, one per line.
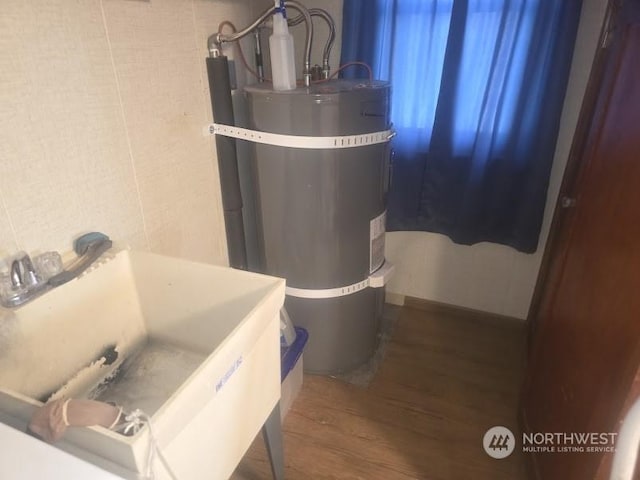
pixel 446 378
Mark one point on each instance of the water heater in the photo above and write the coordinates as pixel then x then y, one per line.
pixel 321 187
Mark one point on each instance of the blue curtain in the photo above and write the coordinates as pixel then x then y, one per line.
pixel 477 92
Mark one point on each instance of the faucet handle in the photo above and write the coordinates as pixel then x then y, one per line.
pixel 30 277
pixel 15 276
pixel 22 274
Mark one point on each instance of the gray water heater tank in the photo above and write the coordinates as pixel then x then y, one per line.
pixel 320 213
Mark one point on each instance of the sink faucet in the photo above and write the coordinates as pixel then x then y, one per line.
pixel 25 284
pixel 23 275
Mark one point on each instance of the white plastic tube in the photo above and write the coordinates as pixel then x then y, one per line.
pixel 283 67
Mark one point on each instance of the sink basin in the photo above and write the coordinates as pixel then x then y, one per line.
pixel 195 346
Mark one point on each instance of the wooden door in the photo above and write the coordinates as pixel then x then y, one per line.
pixel 586 347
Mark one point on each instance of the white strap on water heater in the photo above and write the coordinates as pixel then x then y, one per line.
pixel 377 279
pixel 300 141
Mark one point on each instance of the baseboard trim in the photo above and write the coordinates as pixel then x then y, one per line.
pixel 394 298
pixel 447 308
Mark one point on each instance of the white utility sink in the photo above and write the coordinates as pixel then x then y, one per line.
pixel 197 349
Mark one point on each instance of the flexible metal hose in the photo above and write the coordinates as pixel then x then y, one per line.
pixel 215 41
pixel 319 12
pixel 306 71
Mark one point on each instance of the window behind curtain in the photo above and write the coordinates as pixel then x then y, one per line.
pixel 477 91
pixel 420 29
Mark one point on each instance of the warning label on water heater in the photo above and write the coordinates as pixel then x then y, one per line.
pixel 376 242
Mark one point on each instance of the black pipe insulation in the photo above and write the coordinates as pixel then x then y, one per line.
pixel 222 108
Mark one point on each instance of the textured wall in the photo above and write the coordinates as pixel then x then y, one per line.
pixel 102 107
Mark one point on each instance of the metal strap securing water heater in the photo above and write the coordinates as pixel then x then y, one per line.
pixel 300 141
pixel 378 278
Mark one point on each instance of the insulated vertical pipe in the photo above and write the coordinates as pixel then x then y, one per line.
pixel 222 108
